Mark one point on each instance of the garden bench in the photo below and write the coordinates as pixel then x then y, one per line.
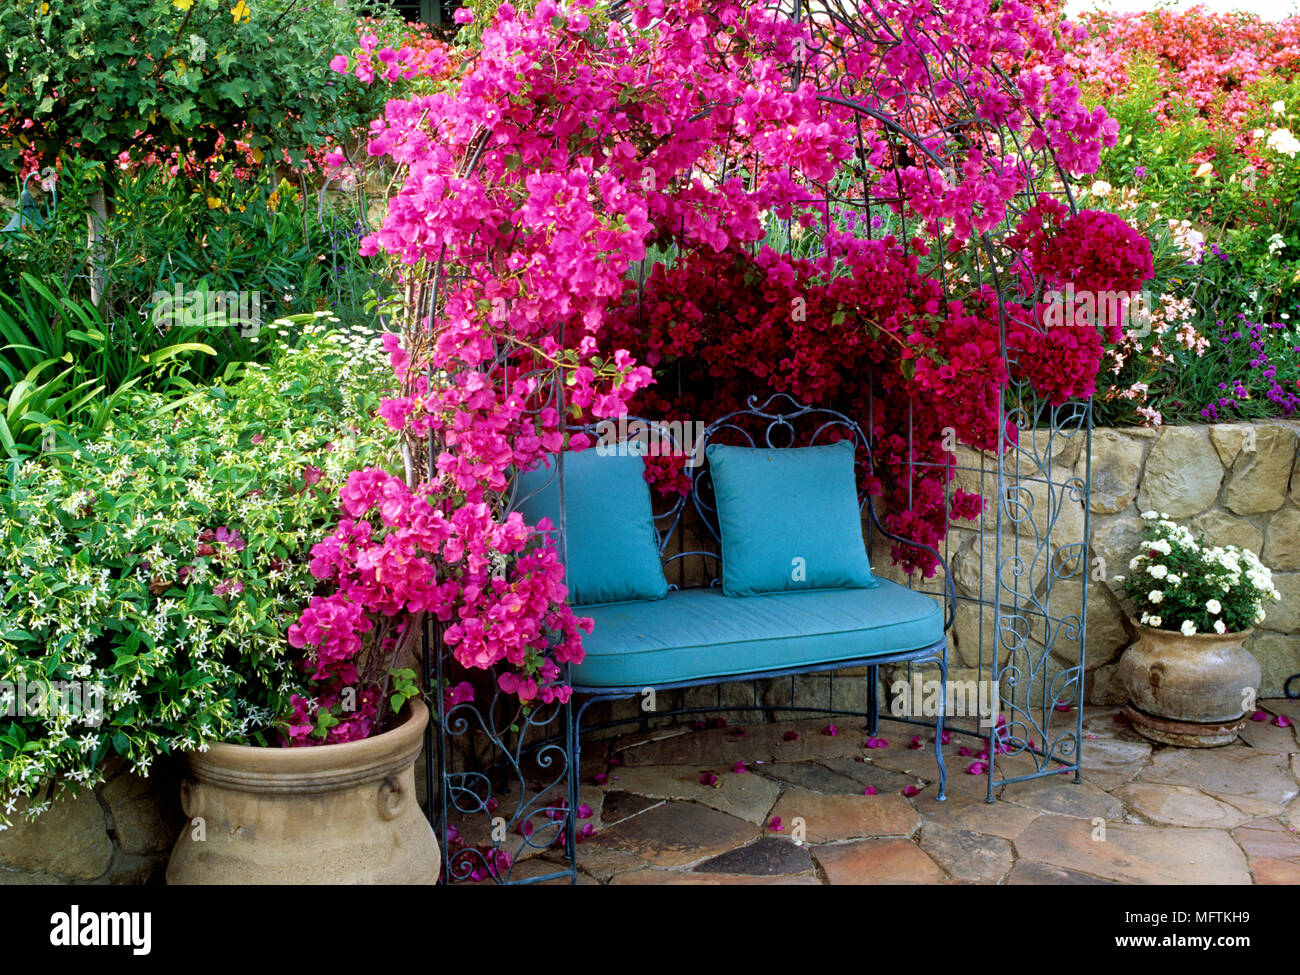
pixel 721 626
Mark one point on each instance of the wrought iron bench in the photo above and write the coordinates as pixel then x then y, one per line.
pixel 697 635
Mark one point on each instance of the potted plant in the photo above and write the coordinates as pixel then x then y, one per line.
pixel 157 570
pixel 336 802
pixel 1189 678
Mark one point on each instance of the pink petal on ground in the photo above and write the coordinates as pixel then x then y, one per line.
pixel 790 736
pixel 1259 716
pixel 964 752
pixel 1063 707
pixel 739 768
pixel 911 790
pixel 977 768
pixel 1282 721
pixel 775 824
pixel 584 811
pixel 916 743
pixel 708 778
pixel 831 730
pixel 600 778
pixel 869 790
pixel 738 733
pixel 947 737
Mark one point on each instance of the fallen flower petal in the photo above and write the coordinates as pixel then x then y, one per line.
pixel 869 790
pixel 708 778
pixel 1282 721
pixel 775 824
pixel 977 768
pixel 739 768
pixel 831 730
pixel 916 743
pixel 790 736
pixel 911 790
pixel 1259 716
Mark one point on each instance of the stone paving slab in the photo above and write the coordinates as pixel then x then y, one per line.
pixel 884 861
pixel 967 855
pixel 1179 805
pixel 674 834
pixel 767 857
pixel 1133 854
pixel 1255 782
pixel 748 796
pixel 1027 872
pixel 1265 736
pixel 830 818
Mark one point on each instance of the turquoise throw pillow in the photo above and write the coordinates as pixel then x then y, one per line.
pixel 613 551
pixel 789 519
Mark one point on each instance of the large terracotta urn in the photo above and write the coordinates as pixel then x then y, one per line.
pixel 1188 690
pixel 330 814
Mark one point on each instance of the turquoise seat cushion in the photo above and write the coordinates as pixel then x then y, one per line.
pixel 789 519
pixel 612 552
pixel 695 634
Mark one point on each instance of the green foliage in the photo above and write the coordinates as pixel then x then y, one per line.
pixel 250 233
pixel 113 571
pixel 106 77
pixel 64 366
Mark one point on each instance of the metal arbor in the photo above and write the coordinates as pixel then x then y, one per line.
pixel 1021 573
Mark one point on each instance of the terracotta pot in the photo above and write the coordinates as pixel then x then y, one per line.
pixel 330 814
pixel 1188 690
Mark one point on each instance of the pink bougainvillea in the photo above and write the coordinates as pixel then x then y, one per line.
pixel 569 146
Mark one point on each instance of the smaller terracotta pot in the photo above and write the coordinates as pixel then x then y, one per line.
pixel 1188 690
pixel 327 814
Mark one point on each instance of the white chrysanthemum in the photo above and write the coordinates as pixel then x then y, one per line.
pixel 1189 628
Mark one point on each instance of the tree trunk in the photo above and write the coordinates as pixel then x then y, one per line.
pixel 96 227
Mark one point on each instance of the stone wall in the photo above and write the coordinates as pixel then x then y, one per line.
pixel 121 832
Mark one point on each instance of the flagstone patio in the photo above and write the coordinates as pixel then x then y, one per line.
pixel 1144 813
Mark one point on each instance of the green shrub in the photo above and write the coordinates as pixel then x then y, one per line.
pixel 165 562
